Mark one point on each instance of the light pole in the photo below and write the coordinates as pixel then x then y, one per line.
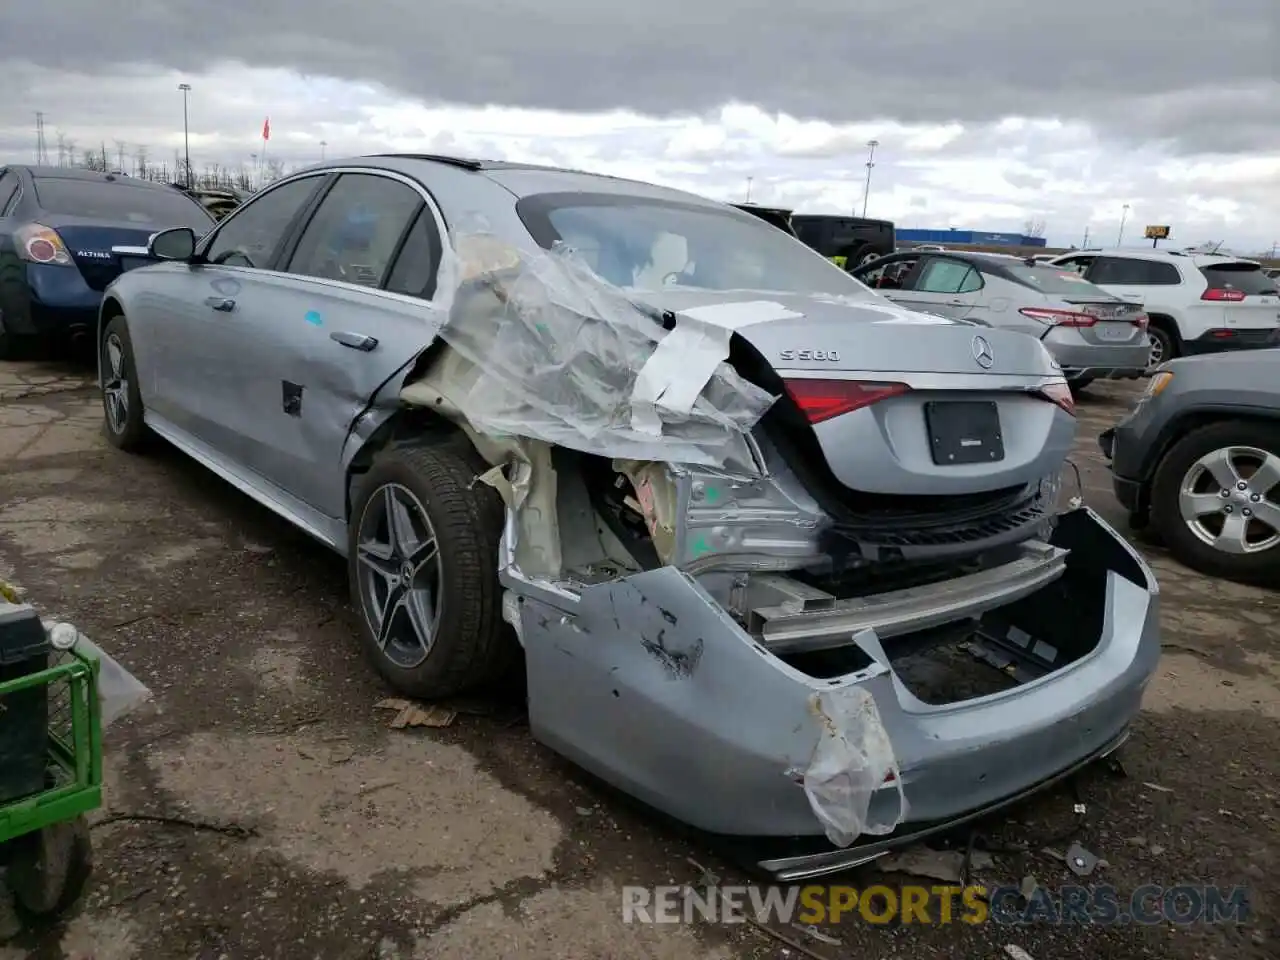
pixel 871 158
pixel 749 182
pixel 1124 215
pixel 186 130
pixel 323 144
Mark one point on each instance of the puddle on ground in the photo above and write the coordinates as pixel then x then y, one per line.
pixel 1186 682
pixel 415 805
pixel 562 924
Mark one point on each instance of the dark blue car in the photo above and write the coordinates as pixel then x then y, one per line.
pixel 57 228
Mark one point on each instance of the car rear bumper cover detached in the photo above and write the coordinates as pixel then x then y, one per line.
pixel 720 732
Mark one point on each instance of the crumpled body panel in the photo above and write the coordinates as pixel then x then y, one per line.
pixel 568 359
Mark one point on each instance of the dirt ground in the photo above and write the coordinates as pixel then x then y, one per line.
pixel 261 808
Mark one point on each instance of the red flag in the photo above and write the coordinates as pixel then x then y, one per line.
pixel 266 129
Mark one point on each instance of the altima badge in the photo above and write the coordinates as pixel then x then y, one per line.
pixel 982 352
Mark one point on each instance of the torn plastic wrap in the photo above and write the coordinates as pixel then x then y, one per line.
pixel 571 360
pixel 119 691
pixel 853 759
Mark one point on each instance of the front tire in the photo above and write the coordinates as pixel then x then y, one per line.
pixel 423 565
pixel 122 419
pixel 1215 500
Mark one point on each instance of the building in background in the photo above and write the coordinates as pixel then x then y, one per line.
pixel 967 237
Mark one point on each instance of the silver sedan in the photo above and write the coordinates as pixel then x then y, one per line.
pixel 1091 333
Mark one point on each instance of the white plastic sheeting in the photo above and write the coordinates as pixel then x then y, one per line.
pixel 569 359
pixel 852 760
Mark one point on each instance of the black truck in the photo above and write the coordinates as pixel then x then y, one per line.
pixel 848 241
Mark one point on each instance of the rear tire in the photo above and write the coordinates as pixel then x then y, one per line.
pixel 446 635
pixel 1178 470
pixel 1164 344
pixel 122 415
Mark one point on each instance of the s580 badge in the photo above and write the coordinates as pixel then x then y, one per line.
pixel 832 356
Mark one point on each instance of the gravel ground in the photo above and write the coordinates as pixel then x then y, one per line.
pixel 260 807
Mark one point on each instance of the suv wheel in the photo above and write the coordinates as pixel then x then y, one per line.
pixel 1163 346
pixel 1215 500
pixel 423 564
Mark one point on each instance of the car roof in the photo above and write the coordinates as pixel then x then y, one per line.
pixel 523 179
pixel 1172 256
pixel 79 173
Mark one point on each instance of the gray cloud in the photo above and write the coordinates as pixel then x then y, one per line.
pixel 1193 75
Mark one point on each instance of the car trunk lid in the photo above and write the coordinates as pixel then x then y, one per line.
pixel 90 245
pixel 907 410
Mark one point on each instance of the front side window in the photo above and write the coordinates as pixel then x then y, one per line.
pixel 1078 265
pixel 356 230
pixel 252 235
pixel 642 243
pixel 124 201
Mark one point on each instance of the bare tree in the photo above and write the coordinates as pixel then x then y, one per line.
pixel 1034 227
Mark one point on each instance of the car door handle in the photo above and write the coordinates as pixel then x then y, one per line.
pixel 356 341
pixel 221 304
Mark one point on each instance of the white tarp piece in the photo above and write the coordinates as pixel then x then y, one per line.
pixel 853 759
pixel 569 359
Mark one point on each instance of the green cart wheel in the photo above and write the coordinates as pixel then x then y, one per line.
pixel 50 868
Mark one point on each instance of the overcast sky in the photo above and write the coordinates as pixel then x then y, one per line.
pixel 989 113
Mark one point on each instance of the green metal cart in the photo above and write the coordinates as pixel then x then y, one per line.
pixel 50 761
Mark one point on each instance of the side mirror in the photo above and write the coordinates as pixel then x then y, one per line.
pixel 176 244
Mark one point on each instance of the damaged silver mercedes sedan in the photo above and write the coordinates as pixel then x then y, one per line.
pixel 782 559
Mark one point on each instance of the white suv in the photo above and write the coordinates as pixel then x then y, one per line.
pixel 1198 303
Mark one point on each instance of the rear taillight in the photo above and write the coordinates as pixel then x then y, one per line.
pixel 821 400
pixel 1059 318
pixel 1223 295
pixel 37 243
pixel 1060 395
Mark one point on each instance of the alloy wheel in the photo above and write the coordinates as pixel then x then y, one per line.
pixel 1230 500
pixel 1157 352
pixel 115 387
pixel 400 575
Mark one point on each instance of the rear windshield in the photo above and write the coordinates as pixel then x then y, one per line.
pixel 149 207
pixel 1055 280
pixel 647 244
pixel 1248 278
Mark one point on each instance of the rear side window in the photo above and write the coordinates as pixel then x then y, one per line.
pixel 1134 271
pixel 8 187
pixel 1248 278
pixel 418 261
pixel 948 276
pixel 150 207
pixel 356 231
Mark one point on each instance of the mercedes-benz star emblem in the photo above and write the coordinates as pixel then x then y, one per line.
pixel 982 352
